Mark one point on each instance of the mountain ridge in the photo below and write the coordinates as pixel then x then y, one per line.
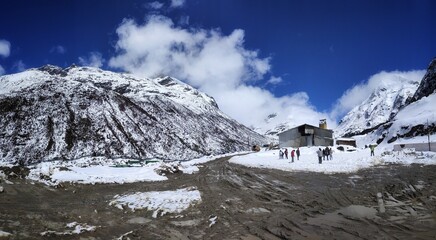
pixel 53 113
pixel 408 116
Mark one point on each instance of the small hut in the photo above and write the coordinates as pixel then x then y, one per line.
pixel 306 135
pixel 346 141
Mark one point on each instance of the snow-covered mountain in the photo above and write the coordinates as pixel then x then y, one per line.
pixel 53 113
pixel 400 111
pixel 418 117
pixel 379 108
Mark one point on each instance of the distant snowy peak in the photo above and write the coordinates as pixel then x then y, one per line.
pixel 53 113
pixel 380 107
pixel 271 127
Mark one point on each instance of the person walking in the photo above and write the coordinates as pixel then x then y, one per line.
pixel 286 153
pixel 327 153
pixel 298 153
pixel 372 147
pixel 292 154
pixel 319 153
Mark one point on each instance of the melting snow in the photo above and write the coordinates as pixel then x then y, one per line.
pixel 160 202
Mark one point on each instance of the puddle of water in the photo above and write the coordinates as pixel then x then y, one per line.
pixel 187 223
pixel 337 217
pixel 139 220
pixel 257 210
pixel 358 211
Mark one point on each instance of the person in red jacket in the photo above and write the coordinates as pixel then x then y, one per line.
pixel 292 154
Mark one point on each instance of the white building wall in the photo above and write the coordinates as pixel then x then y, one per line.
pixel 416 146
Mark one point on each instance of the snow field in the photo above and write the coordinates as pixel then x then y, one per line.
pixel 342 162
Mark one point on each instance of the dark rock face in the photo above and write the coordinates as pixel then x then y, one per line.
pixel 51 113
pixel 428 83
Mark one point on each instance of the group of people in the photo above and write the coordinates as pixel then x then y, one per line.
pixel 284 153
pixel 324 154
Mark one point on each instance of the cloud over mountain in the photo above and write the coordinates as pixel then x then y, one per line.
pixel 358 93
pixel 215 63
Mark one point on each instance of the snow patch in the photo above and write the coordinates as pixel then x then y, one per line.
pixel 159 202
pixel 75 228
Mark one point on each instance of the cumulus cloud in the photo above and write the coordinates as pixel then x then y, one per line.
pixel 5 48
pixel 58 49
pixel 358 93
pixel 177 3
pixel 215 63
pixel 94 59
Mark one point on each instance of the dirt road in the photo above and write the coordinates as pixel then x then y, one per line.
pixel 246 203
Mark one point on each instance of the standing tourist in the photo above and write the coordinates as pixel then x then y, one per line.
pixel 319 153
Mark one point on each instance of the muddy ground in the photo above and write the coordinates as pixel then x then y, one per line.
pixel 248 203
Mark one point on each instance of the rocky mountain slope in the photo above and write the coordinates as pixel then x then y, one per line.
pixel 52 113
pixel 428 83
pixel 405 109
pixel 380 107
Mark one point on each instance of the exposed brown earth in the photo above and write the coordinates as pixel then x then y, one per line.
pixel 248 203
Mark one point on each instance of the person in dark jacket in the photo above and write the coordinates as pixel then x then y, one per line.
pixel 298 153
pixel 286 153
pixel 327 153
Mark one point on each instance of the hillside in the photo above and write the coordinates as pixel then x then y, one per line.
pixel 380 107
pixel 52 113
pixel 398 112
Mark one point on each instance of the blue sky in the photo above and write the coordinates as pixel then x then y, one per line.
pixel 295 58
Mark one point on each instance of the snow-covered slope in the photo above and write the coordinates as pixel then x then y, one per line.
pixel 53 113
pixel 380 107
pixel 400 112
pixel 416 119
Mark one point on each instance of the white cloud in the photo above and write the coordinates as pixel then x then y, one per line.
pixel 58 49
pixel 177 3
pixel 217 64
pixel 94 59
pixel 155 5
pixel 5 48
pixel 20 66
pixel 2 70
pixel 274 80
pixel 358 93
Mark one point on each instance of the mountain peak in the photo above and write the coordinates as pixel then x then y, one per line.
pixel 428 83
pixel 53 70
pixel 380 107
